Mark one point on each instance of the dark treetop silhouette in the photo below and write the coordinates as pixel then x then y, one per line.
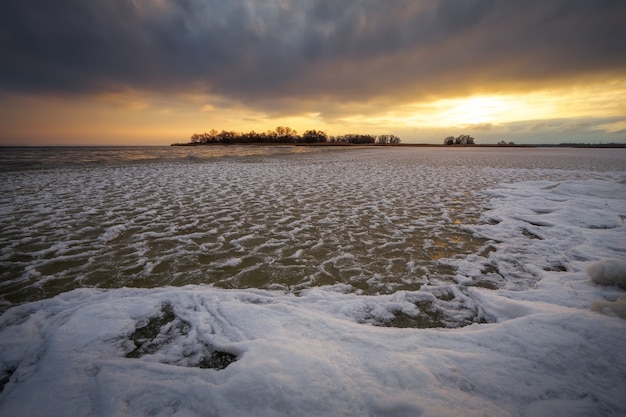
pixel 285 135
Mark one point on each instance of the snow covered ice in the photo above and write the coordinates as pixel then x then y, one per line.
pixel 462 287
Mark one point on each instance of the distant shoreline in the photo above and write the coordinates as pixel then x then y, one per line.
pixel 416 145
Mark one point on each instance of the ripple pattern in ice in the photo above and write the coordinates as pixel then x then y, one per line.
pixel 377 221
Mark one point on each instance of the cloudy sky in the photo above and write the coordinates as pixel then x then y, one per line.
pixel 156 71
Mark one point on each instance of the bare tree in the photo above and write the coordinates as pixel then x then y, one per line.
pixel 314 136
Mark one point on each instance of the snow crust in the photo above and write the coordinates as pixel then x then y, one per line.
pixel 548 341
pixel 306 355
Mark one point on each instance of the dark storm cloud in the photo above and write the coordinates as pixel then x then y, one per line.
pixel 304 49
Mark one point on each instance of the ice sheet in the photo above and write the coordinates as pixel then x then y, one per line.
pixel 321 351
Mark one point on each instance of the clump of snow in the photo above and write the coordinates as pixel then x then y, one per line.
pixel 608 272
pixel 611 308
pixel 228 263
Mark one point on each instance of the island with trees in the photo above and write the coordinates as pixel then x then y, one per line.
pixel 287 135
pixel 284 135
pixel 459 140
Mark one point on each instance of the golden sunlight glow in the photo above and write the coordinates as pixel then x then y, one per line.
pixel 464 111
pixel 476 110
pixel 134 118
pixel 597 100
pixel 613 127
pixel 496 109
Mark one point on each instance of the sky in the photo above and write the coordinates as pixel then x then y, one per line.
pixel 153 72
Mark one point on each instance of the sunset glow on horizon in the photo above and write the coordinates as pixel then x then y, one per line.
pixel 142 73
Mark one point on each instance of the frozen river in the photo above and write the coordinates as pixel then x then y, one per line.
pixel 321 281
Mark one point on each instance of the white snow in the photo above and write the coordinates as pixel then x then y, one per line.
pixel 547 341
pixel 232 262
pixel 307 355
pixel 608 272
pixel 611 308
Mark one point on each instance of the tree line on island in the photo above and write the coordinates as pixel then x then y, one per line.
pixel 459 140
pixel 287 135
